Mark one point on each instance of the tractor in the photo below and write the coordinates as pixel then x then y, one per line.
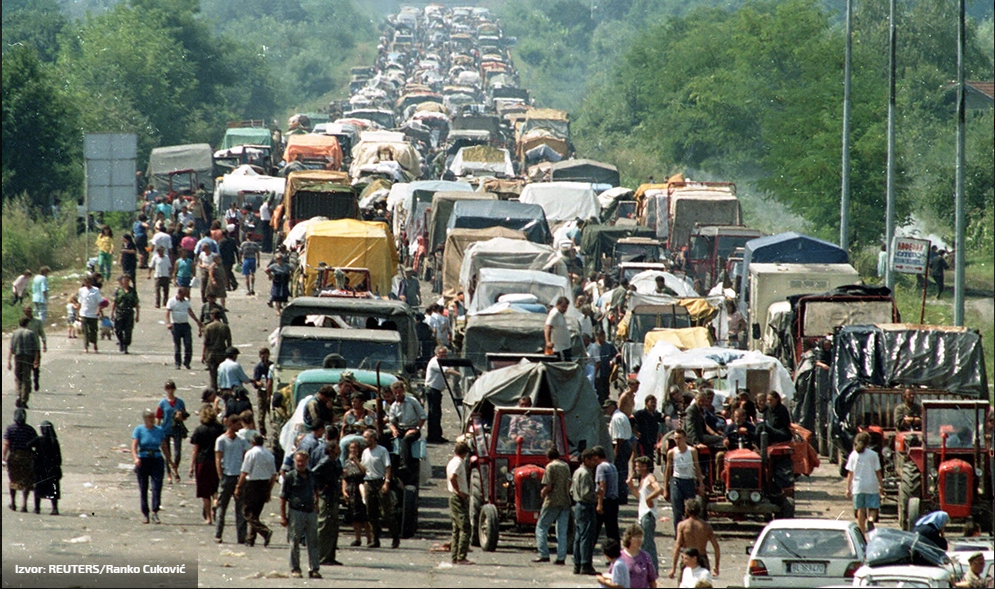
pixel 947 466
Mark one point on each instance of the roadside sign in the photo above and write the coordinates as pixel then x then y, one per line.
pixel 910 255
pixel 110 171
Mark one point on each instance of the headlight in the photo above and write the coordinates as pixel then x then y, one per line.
pixel 511 477
pixel 933 473
pixel 886 453
pixel 755 496
pixel 733 495
pixel 979 473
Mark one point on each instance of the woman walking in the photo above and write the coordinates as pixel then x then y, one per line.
pixel 202 467
pixel 170 414
pixel 279 274
pixel 105 250
pixel 353 475
pixel 140 229
pixel 147 442
pixel 89 311
pixel 48 467
pixel 217 280
pixel 18 458
pixel 863 480
pixel 641 571
pixel 129 256
pixel 645 486
pixel 183 271
pixel 126 310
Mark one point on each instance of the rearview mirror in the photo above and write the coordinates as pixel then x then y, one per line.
pixel 756 331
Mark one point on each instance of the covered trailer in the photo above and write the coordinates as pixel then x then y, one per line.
pixel 493 283
pixel 563 201
pixel 181 168
pixel 511 333
pixel 457 242
pixel 509 254
pixel 478 214
pixel 597 242
pixel 581 170
pixel 442 209
pixel 348 243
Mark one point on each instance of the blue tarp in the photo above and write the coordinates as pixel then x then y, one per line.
pixel 788 248
pixel 483 214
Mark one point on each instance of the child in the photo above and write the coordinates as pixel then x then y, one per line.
pixel 72 316
pixel 106 325
pixel 863 480
pixel 618 574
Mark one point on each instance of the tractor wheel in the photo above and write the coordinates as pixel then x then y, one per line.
pixel 489 527
pixel 476 503
pixel 841 461
pixel 409 511
pixel 787 508
pixel 910 486
pixel 912 512
pixel 834 456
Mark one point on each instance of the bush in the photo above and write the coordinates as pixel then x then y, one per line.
pixel 31 240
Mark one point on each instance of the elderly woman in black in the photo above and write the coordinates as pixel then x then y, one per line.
pixel 18 458
pixel 126 310
pixel 48 467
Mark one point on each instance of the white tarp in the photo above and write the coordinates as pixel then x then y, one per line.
pixel 502 252
pixel 563 201
pixel 295 237
pixel 461 167
pixel 608 197
pixel 245 179
pixel 494 282
pixel 645 283
pixel 728 367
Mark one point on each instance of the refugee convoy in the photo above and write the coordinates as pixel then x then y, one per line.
pixel 440 162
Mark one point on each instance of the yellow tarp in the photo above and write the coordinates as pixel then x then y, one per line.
pixel 431 107
pixel 685 338
pixel 699 310
pixel 350 243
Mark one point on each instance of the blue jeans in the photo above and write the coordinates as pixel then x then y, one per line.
pixel 150 469
pixel 584 515
pixel 548 515
pixel 680 491
pixel 648 524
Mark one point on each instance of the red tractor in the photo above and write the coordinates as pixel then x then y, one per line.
pixel 947 466
pixel 507 465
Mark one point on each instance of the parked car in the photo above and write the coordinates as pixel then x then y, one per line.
pixel 905 575
pixel 805 553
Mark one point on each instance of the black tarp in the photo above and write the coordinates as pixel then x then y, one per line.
pixel 895 547
pixel 484 214
pixel 581 170
pixel 598 240
pixel 898 355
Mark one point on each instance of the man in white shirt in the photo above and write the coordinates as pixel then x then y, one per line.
pixel 435 381
pixel 556 332
pixel 620 431
pixel 89 311
pixel 265 218
pixel 379 503
pixel 254 487
pixel 178 316
pixel 161 239
pixel 459 503
pixel 161 267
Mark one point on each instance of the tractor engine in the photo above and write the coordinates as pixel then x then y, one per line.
pixel 956 487
pixel 528 497
pixel 741 474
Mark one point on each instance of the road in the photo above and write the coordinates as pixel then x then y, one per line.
pixel 96 400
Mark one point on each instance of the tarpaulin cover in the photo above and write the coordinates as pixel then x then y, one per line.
pixel 701 204
pixel 722 363
pixel 245 179
pixel 561 385
pixel 478 162
pixel 494 282
pixel 896 355
pixel 581 170
pixel 247 136
pixel 516 333
pixel 350 243
pixel 501 252
pixel 477 214
pixel 442 208
pixel 504 188
pixel 457 242
pixel 196 156
pixel 645 283
pixel 598 240
pixel 403 195
pixel 684 338
pixel 313 146
pixel 370 151
pixel 563 201
pixel 887 546
pixel 790 248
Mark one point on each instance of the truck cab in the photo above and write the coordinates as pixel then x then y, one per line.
pixel 710 246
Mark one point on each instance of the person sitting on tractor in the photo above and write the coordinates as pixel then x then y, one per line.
pixel 696 427
pixel 777 420
pixel 908 415
pixel 406 418
pixel 740 431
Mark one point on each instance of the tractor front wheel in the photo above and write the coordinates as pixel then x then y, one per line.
pixel 489 519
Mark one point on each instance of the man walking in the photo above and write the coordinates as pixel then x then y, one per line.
pixel 584 496
pixel 35 324
pixel 697 534
pixel 606 479
pixel 39 293
pixel 229 450
pixel 300 493
pixel 23 357
pixel 459 503
pixel 328 474
pixel 435 382
pixel 620 430
pixel 555 507
pixel 682 478
pixel 556 332
pixel 255 483
pixel 231 375
pixel 178 316
pixel 379 503
pixel 217 340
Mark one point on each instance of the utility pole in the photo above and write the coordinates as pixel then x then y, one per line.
pixel 961 221
pixel 889 215
pixel 845 189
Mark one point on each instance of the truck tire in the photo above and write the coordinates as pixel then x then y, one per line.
pixel 489 520
pixel 476 504
pixel 909 486
pixel 913 511
pixel 409 511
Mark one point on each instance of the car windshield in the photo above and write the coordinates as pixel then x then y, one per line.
pixel 729 243
pixel 536 432
pixel 797 543
pixel 310 353
pixel 959 424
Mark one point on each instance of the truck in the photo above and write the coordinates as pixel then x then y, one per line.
pixel 315 193
pixel 710 247
pixel 181 168
pixel 673 209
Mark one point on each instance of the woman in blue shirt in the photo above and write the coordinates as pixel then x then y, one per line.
pixel 146 450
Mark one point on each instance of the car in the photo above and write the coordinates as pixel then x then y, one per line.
pixel 905 575
pixel 962 550
pixel 805 553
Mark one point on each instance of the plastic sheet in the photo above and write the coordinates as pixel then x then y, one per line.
pixel 895 547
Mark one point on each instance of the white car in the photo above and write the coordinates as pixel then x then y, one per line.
pixel 805 553
pixel 905 575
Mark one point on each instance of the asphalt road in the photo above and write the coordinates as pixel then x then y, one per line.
pixel 96 400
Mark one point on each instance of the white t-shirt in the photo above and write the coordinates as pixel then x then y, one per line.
pixel 593 353
pixel 179 310
pixel 258 464
pixel 89 301
pixel 619 427
pixel 161 265
pixel 375 462
pixel 561 334
pixel 456 466
pixel 161 239
pixel 435 378
pixel 690 577
pixel 264 214
pixel 864 467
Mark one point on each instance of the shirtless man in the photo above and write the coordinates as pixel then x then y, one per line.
pixel 694 533
pixel 627 400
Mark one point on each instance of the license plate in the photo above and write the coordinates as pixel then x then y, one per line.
pixel 808 568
